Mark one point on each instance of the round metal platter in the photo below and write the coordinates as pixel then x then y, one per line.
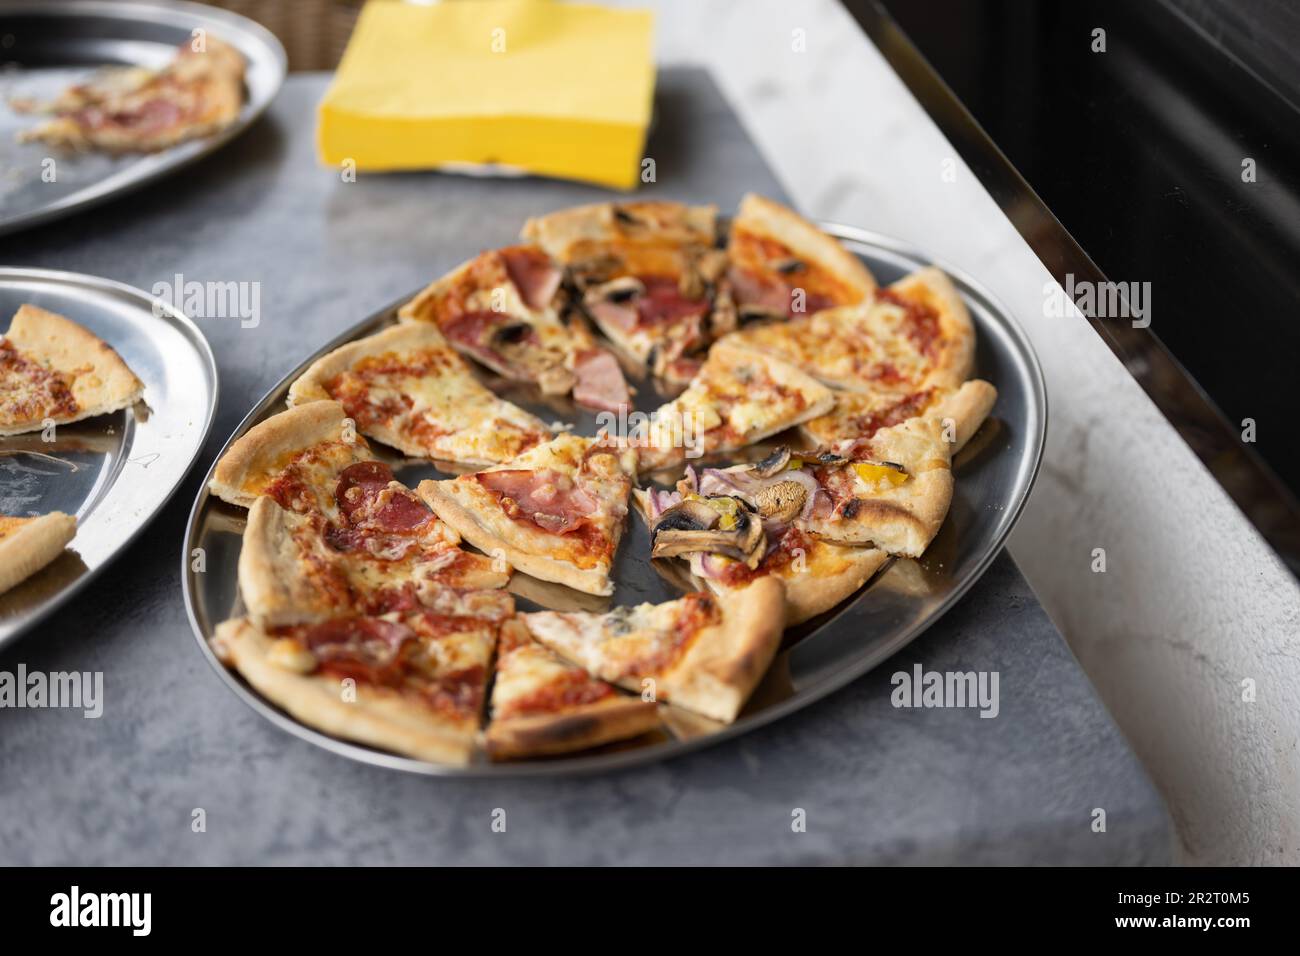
pixel 114 472
pixel 48 45
pixel 994 474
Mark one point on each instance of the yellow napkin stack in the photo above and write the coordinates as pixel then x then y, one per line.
pixel 553 88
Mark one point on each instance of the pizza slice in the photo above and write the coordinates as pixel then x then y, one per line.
pixel 500 309
pixel 542 705
pixel 136 110
pixel 54 371
pixel 890 491
pixel 728 544
pixel 781 265
pixel 406 387
pixel 859 415
pixel 412 684
pixel 557 512
pixel 739 397
pixel 911 336
pixel 647 274
pixel 699 652
pixel 29 544
pixel 375 549
pixel 295 457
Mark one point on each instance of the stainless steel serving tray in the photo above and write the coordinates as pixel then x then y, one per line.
pixel 114 472
pixel 994 475
pixel 46 45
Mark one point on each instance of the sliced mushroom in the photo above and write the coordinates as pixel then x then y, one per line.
pixel 720 525
pixel 781 501
pixel 621 290
pixel 773 464
pixel 789 266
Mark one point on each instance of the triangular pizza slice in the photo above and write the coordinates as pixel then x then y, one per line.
pixel 728 545
pixel 53 370
pixel 697 652
pixel 132 109
pixel 647 274
pixel 781 265
pixel 738 398
pixel 557 512
pixel 413 684
pixel 542 705
pixel 406 387
pixel 909 337
pixel 501 309
pixel 294 456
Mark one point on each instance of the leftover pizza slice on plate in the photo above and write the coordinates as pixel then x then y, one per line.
pixel 53 371
pixel 139 110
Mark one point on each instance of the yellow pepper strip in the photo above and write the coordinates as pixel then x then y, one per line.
pixel 872 473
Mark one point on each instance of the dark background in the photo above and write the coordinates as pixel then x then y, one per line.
pixel 1138 151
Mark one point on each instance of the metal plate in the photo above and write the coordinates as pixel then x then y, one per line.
pixel 46 46
pixel 994 475
pixel 114 472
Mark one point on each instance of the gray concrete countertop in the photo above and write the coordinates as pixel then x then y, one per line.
pixel 876 784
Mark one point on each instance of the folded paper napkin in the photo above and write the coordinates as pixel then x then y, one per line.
pixel 549 87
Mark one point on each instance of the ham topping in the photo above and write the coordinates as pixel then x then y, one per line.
pixel 600 382
pixel 550 499
pixel 533 273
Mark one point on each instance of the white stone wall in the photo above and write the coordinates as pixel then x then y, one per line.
pixel 1193 602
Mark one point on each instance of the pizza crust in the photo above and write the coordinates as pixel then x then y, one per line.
pixel 957 334
pixel 31 544
pixel 273 571
pixel 578 727
pixel 725 662
pixel 252 461
pixel 764 217
pixel 833 574
pixel 967 407
pixel 565 233
pixel 99 380
pixel 379 717
pixel 902 519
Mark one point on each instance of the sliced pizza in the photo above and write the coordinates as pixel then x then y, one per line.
pixel 557 512
pixel 412 684
pixel 781 265
pixel 912 336
pixel 375 549
pixel 295 457
pixel 701 652
pixel 738 398
pixel 500 309
pixel 137 110
pixel 728 544
pixel 542 705
pixel 406 387
pixel 647 274
pixel 54 371
pixel 859 415
pixel 28 544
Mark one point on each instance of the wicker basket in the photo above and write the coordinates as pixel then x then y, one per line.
pixel 314 32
